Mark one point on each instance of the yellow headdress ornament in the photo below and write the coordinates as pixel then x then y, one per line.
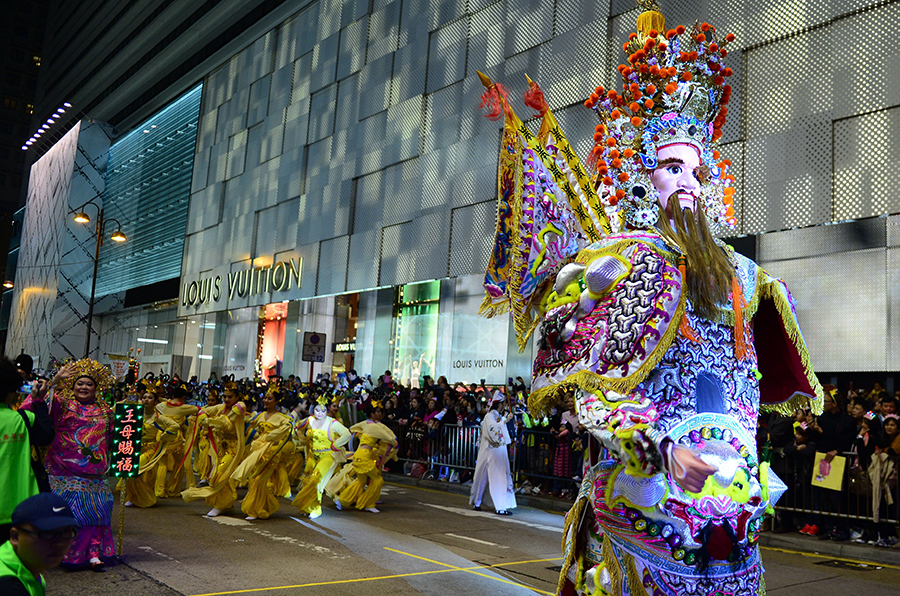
pixel 101 375
pixel 275 391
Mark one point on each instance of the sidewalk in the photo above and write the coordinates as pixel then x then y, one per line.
pixel 791 541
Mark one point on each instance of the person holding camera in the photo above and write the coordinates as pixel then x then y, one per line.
pixel 19 431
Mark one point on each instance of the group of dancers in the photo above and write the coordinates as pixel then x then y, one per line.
pixel 207 453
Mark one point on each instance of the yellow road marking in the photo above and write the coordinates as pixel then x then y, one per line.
pixel 472 571
pixel 829 557
pixel 450 569
pixel 329 583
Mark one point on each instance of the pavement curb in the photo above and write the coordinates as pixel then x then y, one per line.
pixel 845 550
pixel 545 503
pixel 794 542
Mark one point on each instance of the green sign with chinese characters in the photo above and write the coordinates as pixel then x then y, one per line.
pixel 126 444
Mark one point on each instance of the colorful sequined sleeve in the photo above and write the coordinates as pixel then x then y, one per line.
pixel 626 425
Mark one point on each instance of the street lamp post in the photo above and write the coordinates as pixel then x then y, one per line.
pixel 117 236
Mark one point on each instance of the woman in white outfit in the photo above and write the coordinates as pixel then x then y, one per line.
pixel 492 466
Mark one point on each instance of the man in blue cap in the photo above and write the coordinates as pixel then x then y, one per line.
pixel 43 528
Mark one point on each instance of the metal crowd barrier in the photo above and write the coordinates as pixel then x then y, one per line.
pixel 856 499
pixel 447 448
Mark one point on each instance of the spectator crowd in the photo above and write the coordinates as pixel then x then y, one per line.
pixel 859 429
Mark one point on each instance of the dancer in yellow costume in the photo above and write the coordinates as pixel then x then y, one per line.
pixel 170 470
pixel 377 443
pixel 326 437
pixel 225 424
pixel 159 432
pixel 203 458
pixel 264 468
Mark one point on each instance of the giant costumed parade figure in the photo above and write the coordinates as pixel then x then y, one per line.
pixel 671 340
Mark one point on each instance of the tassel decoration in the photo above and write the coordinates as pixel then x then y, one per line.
pixel 738 304
pixel 685 328
pixel 534 98
pixel 494 101
pixel 594 158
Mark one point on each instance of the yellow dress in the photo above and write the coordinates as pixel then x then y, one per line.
pixel 376 444
pixel 323 445
pixel 170 470
pixel 203 462
pixel 264 468
pixel 158 433
pixel 226 436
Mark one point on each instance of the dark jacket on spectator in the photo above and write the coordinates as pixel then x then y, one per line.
pixel 780 429
pixel 838 432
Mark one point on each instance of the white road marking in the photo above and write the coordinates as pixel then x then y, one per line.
pixel 258 529
pixel 485 542
pixel 152 551
pixel 495 517
pixel 387 489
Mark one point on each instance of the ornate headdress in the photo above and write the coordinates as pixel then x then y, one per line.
pixel 232 386
pixel 275 391
pixel 156 387
pixel 324 398
pixel 673 91
pixel 102 376
pixel 99 373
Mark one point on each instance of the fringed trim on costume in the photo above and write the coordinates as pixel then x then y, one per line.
pixel 612 566
pixel 572 524
pixel 490 309
pixel 517 306
pixel 737 307
pixel 769 289
pixel 635 585
pixel 579 571
pixel 539 401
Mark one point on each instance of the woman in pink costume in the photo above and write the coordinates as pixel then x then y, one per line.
pixel 78 458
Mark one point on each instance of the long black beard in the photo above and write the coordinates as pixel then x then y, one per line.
pixel 707 267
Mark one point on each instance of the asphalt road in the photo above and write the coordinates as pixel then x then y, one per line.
pixel 423 542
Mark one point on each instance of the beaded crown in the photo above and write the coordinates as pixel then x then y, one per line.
pixel 102 376
pixel 673 91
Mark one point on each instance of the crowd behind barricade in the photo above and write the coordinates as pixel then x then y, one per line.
pixel 437 424
pixel 840 468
